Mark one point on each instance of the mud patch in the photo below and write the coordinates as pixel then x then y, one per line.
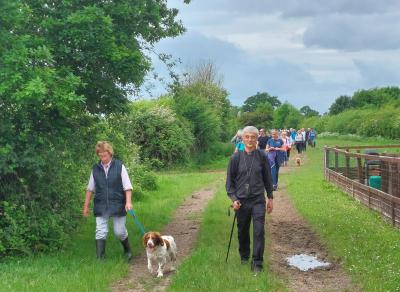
pixel 290 235
pixel 184 228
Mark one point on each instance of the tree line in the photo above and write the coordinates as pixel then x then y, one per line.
pixel 368 112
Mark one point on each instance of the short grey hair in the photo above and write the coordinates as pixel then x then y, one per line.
pixel 250 129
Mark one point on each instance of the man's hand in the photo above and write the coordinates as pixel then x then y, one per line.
pixel 85 211
pixel 236 205
pixel 270 206
pixel 128 206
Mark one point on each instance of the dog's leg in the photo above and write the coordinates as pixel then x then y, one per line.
pixel 160 272
pixel 173 260
pixel 149 265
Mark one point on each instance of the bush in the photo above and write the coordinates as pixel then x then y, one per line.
pixel 201 116
pixel 384 122
pixel 162 137
pixel 216 150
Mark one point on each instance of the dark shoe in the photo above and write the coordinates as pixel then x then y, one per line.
pixel 244 261
pixel 100 249
pixel 256 269
pixel 127 249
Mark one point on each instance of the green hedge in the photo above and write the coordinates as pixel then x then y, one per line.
pixel 43 184
pixel 368 122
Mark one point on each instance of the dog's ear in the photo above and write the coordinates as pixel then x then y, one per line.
pixel 167 244
pixel 159 239
pixel 145 239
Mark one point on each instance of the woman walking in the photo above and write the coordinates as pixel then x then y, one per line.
pixel 109 181
pixel 299 141
pixel 275 149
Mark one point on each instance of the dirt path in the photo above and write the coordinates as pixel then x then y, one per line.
pixel 184 228
pixel 290 234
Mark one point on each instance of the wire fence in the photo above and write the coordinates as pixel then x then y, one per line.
pixel 370 174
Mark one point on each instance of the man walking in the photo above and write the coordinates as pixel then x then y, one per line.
pixel 262 140
pixel 248 177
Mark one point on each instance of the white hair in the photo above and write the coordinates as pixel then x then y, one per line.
pixel 250 129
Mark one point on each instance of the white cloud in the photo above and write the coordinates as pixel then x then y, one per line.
pixel 307 52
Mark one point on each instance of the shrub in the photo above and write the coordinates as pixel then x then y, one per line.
pixel 162 138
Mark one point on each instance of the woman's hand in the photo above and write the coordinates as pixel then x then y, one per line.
pixel 128 206
pixel 85 211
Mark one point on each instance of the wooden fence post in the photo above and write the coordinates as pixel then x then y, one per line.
pixel 360 169
pixel 347 172
pixel 396 179
pixel 336 161
pixel 393 214
pixel 385 176
pixel 369 198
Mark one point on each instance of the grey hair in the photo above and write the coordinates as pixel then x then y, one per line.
pixel 250 129
pixel 274 131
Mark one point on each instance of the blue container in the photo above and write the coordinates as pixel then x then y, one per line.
pixel 375 182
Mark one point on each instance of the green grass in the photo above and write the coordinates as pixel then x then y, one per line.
pixel 76 269
pixel 206 270
pixel 368 247
pixel 218 163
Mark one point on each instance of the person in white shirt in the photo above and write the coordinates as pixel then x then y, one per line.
pixel 110 183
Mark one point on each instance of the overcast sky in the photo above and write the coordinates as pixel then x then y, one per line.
pixel 306 52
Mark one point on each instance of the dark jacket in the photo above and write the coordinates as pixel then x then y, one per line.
pixel 109 197
pixel 258 180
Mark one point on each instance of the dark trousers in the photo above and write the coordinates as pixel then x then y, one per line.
pixel 299 147
pixel 252 208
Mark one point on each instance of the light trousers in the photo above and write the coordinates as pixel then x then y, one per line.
pixel 119 227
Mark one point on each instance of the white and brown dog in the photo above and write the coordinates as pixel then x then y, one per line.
pixel 160 251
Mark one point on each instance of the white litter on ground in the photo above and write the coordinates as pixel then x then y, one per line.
pixel 305 262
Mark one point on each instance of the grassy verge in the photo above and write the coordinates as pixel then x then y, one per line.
pixel 206 269
pixel 368 247
pixel 76 268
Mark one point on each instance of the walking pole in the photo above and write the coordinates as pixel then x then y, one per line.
pixel 230 238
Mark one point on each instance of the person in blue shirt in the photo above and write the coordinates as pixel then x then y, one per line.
pixel 312 136
pixel 275 153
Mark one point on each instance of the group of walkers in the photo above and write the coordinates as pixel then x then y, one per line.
pixel 277 145
pixel 253 171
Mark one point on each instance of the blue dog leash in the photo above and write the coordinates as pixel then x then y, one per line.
pixel 137 222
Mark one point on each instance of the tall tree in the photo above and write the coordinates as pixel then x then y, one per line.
pixel 341 104
pixel 308 112
pixel 102 43
pixel 252 102
pixel 375 97
pixel 287 116
pixel 261 118
pixel 205 82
